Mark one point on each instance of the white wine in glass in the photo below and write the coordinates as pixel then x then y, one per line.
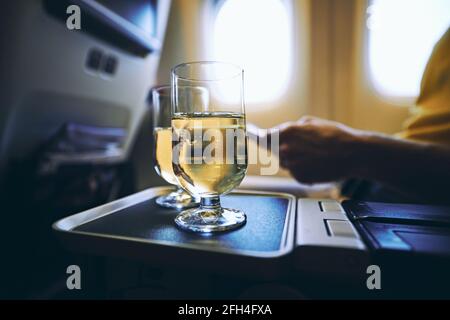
pixel 162 150
pixel 218 175
pixel 163 154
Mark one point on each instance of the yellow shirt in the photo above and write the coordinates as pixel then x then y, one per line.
pixel 431 117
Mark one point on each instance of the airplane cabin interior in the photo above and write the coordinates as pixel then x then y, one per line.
pixel 225 149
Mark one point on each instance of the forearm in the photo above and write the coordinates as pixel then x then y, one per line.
pixel 419 169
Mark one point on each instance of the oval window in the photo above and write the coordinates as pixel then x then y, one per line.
pixel 402 34
pixel 256 35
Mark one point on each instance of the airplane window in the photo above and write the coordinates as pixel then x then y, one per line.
pixel 256 35
pixel 402 34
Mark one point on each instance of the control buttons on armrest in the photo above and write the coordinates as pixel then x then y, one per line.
pixel 341 228
pixel 331 206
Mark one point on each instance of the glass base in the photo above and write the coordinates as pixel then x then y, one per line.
pixel 177 200
pixel 210 220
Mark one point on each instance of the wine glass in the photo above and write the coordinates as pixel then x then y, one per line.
pixel 162 149
pixel 210 144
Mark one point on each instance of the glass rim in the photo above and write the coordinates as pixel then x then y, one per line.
pixel 161 88
pixel 240 71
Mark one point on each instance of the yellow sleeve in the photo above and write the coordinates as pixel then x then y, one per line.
pixel 430 120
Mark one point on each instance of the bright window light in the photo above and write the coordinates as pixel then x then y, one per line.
pixel 402 34
pixel 256 35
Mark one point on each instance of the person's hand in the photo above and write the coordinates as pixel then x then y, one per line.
pixel 317 150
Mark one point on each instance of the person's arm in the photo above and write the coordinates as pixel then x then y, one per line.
pixel 316 150
pixel 417 168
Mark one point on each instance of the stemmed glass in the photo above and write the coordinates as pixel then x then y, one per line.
pixel 162 149
pixel 210 145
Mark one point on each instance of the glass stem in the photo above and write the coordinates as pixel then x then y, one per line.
pixel 212 203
